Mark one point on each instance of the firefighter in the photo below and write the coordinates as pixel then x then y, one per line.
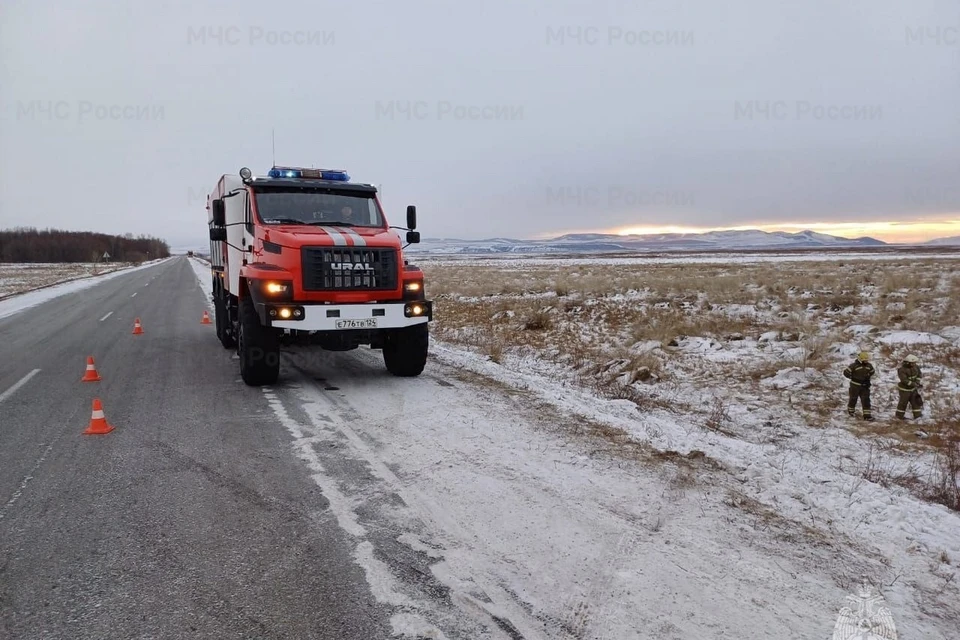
pixel 909 387
pixel 859 374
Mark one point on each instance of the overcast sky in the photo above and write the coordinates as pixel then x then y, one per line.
pixel 496 118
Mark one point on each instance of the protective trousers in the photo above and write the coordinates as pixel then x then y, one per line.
pixel 912 398
pixel 859 392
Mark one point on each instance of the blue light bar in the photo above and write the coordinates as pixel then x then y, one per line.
pixel 339 176
pixel 279 172
pixel 336 175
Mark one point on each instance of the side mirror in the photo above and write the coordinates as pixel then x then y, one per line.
pixel 411 217
pixel 218 234
pixel 413 237
pixel 219 212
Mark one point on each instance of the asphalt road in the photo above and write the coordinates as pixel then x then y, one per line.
pixel 191 519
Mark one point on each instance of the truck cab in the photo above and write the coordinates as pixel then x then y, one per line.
pixel 306 257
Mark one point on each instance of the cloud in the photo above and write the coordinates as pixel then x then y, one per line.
pixel 499 118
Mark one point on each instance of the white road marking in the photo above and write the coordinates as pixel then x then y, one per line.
pixel 24 380
pixel 26 480
pixel 106 316
pixel 134 294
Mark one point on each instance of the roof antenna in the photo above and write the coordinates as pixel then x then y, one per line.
pixel 273 142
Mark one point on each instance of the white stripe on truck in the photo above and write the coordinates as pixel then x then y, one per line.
pixel 358 240
pixel 336 236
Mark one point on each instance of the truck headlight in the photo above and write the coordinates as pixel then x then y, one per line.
pixel 277 288
pixel 416 310
pixel 285 313
pixel 413 290
pixel 272 290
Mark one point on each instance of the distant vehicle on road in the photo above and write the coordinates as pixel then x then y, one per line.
pixel 305 256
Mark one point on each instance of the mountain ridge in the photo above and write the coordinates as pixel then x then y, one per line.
pixel 708 241
pixel 944 242
pixel 586 242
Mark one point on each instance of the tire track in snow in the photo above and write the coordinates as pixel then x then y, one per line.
pixel 383 496
pixel 590 612
pixel 412 619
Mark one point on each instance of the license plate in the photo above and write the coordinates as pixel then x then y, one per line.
pixel 366 323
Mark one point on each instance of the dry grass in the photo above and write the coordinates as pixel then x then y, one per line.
pixel 668 300
pixel 630 331
pixel 940 483
pixel 945 481
pixel 718 418
pixel 701 339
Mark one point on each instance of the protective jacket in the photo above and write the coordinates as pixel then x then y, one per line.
pixel 859 373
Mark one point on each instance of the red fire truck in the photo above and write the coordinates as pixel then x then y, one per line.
pixel 306 257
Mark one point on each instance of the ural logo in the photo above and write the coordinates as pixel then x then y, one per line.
pixel 865 622
pixel 351 266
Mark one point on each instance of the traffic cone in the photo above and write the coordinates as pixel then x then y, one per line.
pixel 91 374
pixel 98 423
pixel 137 329
pixel 206 318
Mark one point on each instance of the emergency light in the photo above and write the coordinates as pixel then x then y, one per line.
pixel 336 175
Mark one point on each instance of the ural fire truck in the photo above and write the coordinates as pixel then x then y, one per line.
pixel 306 257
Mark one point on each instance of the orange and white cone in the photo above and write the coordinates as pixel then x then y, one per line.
pixel 98 422
pixel 137 329
pixel 206 318
pixel 91 374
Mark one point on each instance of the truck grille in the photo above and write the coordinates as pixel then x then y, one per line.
pixel 335 269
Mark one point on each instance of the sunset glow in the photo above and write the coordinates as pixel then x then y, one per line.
pixel 887 231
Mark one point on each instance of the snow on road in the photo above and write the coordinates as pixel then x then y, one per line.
pixel 20 302
pixel 201 269
pixel 523 524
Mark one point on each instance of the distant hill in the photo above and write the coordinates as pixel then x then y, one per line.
pixel 953 241
pixel 596 242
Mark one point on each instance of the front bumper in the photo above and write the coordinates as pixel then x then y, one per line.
pixel 345 317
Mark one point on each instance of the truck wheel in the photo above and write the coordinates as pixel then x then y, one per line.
pixel 222 321
pixel 258 348
pixel 405 350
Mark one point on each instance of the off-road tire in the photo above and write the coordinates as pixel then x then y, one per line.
pixel 257 347
pixel 222 321
pixel 405 350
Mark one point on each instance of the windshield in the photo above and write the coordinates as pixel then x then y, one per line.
pixel 319 207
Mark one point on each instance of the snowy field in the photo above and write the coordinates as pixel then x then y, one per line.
pixel 22 277
pixel 71 279
pixel 739 365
